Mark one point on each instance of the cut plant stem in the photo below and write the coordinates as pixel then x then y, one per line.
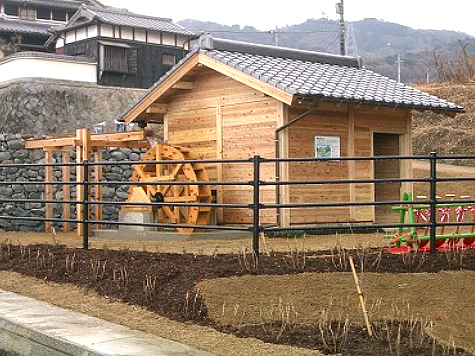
pixel 361 296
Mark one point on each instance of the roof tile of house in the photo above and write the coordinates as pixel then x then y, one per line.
pixel 122 17
pixel 327 76
pixel 24 27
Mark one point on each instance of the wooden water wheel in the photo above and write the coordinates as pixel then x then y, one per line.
pixel 160 175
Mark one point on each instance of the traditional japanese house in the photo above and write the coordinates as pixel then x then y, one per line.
pixel 131 50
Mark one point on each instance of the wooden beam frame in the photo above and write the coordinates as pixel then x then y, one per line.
pixel 85 144
pixel 119 139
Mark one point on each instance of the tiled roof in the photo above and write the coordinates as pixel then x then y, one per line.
pixel 122 17
pixel 60 4
pixel 31 54
pixel 322 78
pixel 24 27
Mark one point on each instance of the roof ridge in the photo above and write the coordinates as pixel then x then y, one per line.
pixel 207 42
pixel 123 11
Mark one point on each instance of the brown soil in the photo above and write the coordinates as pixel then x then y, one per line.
pixel 287 298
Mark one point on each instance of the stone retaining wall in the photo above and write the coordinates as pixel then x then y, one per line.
pixel 44 106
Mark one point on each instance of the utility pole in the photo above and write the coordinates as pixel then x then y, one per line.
pixel 399 62
pixel 341 11
pixel 276 36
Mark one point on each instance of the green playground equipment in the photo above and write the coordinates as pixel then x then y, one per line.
pixel 447 236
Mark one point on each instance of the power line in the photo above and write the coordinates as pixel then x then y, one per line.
pixel 266 32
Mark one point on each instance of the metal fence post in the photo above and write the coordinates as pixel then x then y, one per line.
pixel 433 201
pixel 256 228
pixel 85 218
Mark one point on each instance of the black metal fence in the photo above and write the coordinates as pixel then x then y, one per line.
pixel 255 205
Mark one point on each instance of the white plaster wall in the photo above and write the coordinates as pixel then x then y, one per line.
pixel 168 39
pixel 31 67
pixel 154 37
pixel 81 34
pixel 92 31
pixel 127 33
pixel 71 36
pixel 140 35
pixel 107 31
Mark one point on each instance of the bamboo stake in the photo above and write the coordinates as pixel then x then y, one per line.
pixel 361 296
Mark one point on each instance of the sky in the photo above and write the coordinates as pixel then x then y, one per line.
pixel 455 15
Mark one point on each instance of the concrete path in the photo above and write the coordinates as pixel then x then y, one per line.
pixel 33 328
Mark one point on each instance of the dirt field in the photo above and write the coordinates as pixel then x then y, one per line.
pixel 400 303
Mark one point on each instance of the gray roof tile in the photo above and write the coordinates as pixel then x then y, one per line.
pixel 122 17
pixel 24 27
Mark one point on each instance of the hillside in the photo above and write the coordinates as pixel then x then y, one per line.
pixel 377 42
pixel 443 134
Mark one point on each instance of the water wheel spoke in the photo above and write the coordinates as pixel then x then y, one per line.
pixel 168 212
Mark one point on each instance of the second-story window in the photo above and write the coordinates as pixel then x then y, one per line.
pixel 12 10
pixel 43 14
pixel 59 15
pixel 115 59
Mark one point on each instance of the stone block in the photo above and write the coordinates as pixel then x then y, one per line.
pixel 136 217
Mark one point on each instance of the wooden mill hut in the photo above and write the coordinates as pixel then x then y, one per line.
pixel 229 99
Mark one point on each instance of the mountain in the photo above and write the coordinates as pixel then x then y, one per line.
pixel 377 42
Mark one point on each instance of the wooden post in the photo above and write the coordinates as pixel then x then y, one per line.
pixel 48 188
pixel 79 179
pixel 66 190
pixel 98 187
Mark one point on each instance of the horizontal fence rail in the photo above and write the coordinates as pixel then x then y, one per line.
pixel 83 195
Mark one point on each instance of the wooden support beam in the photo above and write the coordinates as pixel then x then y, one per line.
pixel 111 143
pixel 79 187
pixel 66 191
pixel 121 136
pixel 184 85
pixel 157 109
pixel 54 142
pixel 119 139
pixel 48 189
pixel 98 187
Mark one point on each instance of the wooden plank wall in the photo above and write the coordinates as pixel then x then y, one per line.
pixel 302 144
pixel 221 118
pixel 355 127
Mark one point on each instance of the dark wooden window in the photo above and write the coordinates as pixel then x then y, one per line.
pixel 59 15
pixel 12 10
pixel 118 58
pixel 43 13
pixel 115 59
